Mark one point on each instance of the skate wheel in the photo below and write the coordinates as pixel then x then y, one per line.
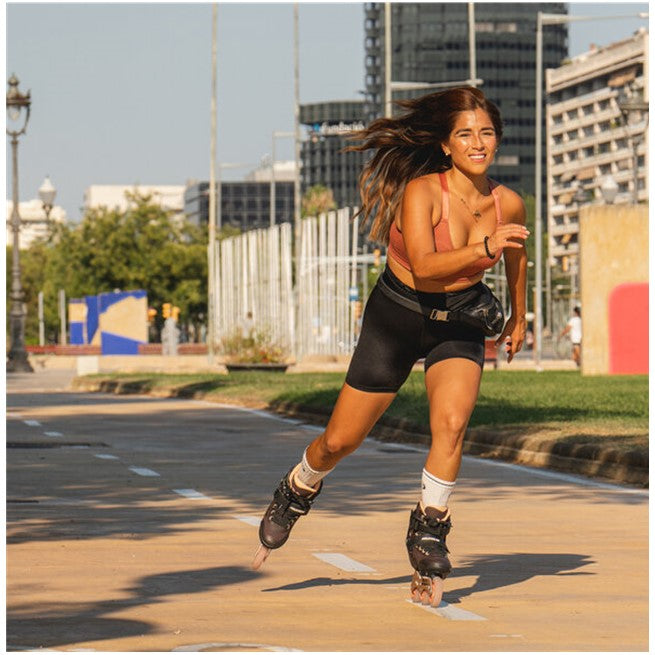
pixel 426 590
pixel 260 556
pixel 436 592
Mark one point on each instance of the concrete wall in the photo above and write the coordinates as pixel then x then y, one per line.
pixel 614 263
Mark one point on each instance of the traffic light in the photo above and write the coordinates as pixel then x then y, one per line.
pixel 166 310
pixel 152 312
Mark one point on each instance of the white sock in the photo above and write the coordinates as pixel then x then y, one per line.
pixel 435 492
pixel 306 475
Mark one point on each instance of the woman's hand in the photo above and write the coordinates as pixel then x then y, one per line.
pixel 513 336
pixel 508 235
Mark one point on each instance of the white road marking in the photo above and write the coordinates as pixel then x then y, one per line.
pixel 191 493
pixel 53 434
pixel 31 422
pixel 250 520
pixel 146 473
pixel 104 456
pixel 230 646
pixel 449 612
pixel 344 562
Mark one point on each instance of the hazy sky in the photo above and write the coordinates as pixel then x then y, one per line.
pixel 121 92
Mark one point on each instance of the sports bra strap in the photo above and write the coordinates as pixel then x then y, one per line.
pixel 494 192
pixel 445 203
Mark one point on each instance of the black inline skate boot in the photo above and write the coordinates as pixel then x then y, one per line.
pixel 291 500
pixel 428 554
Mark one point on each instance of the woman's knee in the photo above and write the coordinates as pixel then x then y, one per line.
pixel 338 444
pixel 449 428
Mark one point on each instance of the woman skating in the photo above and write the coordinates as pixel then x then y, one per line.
pixel 445 222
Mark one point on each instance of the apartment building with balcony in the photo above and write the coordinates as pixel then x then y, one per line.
pixel 589 141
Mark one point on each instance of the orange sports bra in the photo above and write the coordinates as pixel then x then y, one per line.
pixel 442 240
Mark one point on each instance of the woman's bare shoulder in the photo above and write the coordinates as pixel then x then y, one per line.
pixel 425 187
pixel 512 204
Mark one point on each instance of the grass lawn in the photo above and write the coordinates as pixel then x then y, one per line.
pixel 563 404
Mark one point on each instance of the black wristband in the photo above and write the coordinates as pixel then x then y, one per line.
pixel 486 247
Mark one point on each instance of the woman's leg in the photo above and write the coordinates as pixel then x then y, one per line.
pixel 452 389
pixel 354 415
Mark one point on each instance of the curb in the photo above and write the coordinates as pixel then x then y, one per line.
pixel 591 460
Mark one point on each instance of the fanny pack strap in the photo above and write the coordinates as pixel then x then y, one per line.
pixel 415 305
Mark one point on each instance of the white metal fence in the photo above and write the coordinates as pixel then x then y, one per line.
pixel 255 284
pixel 327 271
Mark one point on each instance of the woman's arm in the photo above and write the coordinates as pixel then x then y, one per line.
pixel 516 266
pixel 417 209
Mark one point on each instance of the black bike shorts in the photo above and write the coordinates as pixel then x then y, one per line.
pixel 393 338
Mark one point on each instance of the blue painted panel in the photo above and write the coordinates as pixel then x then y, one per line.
pixel 92 317
pixel 76 333
pixel 114 344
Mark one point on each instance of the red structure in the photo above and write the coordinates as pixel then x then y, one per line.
pixel 628 329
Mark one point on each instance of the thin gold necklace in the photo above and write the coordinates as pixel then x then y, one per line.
pixel 476 214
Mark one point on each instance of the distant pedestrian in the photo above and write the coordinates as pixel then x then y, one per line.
pixel 445 223
pixel 574 330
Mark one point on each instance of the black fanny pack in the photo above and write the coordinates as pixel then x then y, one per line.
pixel 484 311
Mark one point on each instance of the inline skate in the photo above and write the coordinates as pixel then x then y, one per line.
pixel 291 500
pixel 428 554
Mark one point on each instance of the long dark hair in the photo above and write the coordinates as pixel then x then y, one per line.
pixel 409 146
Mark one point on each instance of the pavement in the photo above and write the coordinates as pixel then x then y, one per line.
pixel 131 525
pixel 541 449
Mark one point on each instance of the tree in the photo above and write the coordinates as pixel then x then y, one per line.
pixel 142 247
pixel 318 199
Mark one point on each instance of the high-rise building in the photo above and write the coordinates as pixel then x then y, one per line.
pixel 430 44
pixel 590 143
pixel 323 160
pixel 244 205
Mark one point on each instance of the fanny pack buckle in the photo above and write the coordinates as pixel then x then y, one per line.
pixel 439 315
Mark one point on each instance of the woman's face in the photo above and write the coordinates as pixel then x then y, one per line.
pixel 472 142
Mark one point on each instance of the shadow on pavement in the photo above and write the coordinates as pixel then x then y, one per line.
pixel 70 623
pixel 492 571
pixel 497 571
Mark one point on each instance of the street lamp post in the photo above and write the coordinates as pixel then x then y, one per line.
pixel 47 193
pixel 276 135
pixel 633 110
pixel 18 111
pixel 547 19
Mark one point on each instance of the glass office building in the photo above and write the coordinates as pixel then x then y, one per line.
pixel 430 44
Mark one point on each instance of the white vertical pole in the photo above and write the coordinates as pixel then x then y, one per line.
pixel 211 253
pixel 353 279
pixel 473 72
pixel 62 317
pixel 387 60
pixel 272 188
pixel 537 191
pixel 41 323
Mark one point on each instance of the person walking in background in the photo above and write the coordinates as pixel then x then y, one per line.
pixel 445 222
pixel 574 330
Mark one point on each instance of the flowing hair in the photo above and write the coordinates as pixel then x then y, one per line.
pixel 409 146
